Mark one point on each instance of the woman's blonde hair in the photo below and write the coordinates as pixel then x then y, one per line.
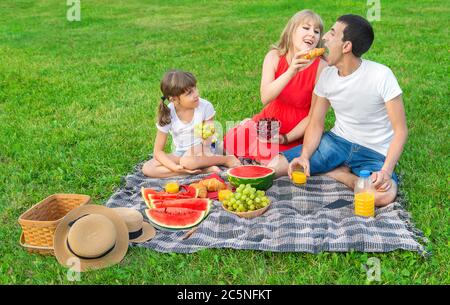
pixel 285 42
pixel 173 84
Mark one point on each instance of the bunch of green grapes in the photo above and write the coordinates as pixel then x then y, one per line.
pixel 246 198
pixel 204 130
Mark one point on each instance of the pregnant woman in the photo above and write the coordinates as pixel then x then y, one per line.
pixel 287 84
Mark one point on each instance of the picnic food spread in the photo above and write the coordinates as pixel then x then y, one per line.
pixel 298 177
pixel 202 191
pixel 178 217
pixel 246 198
pixel 172 187
pixel 204 130
pixel 259 177
pixel 150 194
pixel 314 53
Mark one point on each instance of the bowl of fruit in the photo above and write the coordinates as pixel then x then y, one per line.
pixel 246 202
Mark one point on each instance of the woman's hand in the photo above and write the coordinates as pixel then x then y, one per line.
pixel 281 139
pixel 298 62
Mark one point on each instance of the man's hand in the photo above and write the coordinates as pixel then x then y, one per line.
pixel 381 180
pixel 304 162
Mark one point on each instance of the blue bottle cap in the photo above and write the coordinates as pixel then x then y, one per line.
pixel 364 173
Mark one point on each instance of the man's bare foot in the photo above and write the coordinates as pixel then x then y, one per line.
pixel 344 175
pixel 232 162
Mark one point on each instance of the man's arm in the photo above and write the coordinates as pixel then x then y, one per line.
pixel 396 113
pixel 314 130
pixel 313 133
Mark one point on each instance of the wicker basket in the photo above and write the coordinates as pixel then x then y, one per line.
pixel 40 221
pixel 36 249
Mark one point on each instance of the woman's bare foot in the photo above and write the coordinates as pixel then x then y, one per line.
pixel 232 162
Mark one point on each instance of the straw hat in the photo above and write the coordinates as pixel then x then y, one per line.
pixel 93 235
pixel 139 231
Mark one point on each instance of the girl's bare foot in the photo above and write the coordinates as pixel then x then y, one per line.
pixel 232 162
pixel 212 169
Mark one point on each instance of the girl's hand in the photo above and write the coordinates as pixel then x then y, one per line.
pixel 297 62
pixel 180 169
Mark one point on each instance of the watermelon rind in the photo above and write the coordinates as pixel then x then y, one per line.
pixel 260 183
pixel 164 227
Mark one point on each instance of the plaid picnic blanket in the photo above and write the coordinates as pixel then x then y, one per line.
pixel 297 221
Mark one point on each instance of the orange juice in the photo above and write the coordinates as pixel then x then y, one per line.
pixel 298 177
pixel 172 187
pixel 365 204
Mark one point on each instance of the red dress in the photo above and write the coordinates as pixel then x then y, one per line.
pixel 289 107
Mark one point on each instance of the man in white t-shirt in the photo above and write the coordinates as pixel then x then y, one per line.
pixel 370 128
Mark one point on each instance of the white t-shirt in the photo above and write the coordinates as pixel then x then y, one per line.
pixel 358 101
pixel 183 133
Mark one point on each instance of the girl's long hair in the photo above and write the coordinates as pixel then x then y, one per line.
pixel 173 84
pixel 285 43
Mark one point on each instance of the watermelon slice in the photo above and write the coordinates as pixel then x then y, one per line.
pixel 259 177
pixel 175 218
pixel 190 203
pixel 150 194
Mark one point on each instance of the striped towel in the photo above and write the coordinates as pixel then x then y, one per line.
pixel 297 221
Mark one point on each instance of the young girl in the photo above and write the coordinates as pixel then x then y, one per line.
pixel 185 110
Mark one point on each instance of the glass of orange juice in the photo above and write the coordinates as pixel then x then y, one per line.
pixel 298 175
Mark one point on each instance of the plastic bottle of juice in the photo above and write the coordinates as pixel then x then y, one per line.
pixel 364 195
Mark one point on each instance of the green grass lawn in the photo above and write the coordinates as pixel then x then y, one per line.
pixel 77 112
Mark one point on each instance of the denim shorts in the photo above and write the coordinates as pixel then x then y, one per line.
pixel 334 151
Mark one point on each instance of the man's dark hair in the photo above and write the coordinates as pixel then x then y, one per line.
pixel 359 32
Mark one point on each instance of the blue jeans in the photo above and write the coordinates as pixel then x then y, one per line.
pixel 334 151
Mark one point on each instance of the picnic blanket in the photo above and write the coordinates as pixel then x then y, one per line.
pixel 297 221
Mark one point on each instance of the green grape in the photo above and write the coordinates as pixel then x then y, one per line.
pixel 226 202
pixel 245 191
pixel 257 200
pixel 233 200
pixel 241 206
pixel 251 207
pixel 235 206
pixel 260 193
pixel 250 202
pixel 238 196
pixel 243 197
pixel 252 196
pixel 248 186
pixel 230 208
pixel 264 204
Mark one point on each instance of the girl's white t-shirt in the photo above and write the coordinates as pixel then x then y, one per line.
pixel 358 101
pixel 183 133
